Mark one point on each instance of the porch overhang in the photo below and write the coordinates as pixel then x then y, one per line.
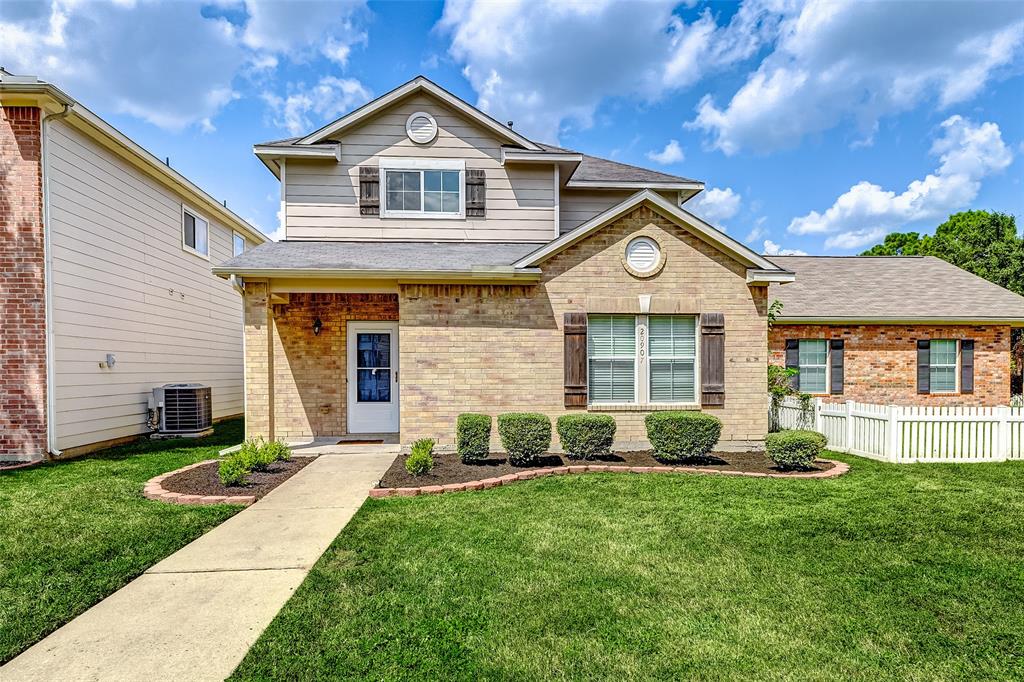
pixel 476 275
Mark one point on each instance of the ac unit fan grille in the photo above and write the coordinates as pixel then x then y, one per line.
pixel 187 409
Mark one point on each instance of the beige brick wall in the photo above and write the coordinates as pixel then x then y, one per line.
pixel 499 348
pixel 880 361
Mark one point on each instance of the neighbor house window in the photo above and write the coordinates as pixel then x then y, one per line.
pixel 813 365
pixel 942 362
pixel 237 244
pixel 195 233
pixel 422 188
pixel 642 359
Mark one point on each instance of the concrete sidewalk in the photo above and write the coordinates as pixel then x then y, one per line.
pixel 194 615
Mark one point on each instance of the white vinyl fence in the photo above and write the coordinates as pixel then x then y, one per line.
pixel 912 434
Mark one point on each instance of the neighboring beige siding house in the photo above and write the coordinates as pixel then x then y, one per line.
pixel 106 251
pixel 436 262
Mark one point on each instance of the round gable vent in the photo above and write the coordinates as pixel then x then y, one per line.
pixel 421 127
pixel 643 254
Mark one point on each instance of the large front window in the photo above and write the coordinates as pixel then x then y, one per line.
pixel 411 191
pixel 642 359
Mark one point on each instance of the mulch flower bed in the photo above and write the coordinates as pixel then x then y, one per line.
pixel 448 468
pixel 203 479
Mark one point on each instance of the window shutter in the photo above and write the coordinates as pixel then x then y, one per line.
pixel 967 366
pixel 793 361
pixel 575 331
pixel 369 190
pixel 476 191
pixel 924 352
pixel 838 368
pixel 712 359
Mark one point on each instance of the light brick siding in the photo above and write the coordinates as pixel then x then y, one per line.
pixel 309 370
pixel 22 287
pixel 494 349
pixel 880 361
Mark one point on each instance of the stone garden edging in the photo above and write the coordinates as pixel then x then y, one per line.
pixel 155 491
pixel 838 469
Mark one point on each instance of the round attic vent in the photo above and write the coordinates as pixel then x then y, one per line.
pixel 421 127
pixel 643 255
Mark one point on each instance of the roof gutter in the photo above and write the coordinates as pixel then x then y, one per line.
pixel 811 319
pixel 498 274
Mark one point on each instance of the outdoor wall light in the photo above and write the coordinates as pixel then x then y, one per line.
pixel 317 326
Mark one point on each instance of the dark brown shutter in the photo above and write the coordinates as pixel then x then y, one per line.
pixel 476 192
pixel 793 361
pixel 837 361
pixel 369 190
pixel 924 366
pixel 967 366
pixel 712 359
pixel 575 331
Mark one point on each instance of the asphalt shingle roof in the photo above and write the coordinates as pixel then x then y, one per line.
pixel 412 256
pixel 903 288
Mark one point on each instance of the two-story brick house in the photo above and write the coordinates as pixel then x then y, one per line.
pixel 436 262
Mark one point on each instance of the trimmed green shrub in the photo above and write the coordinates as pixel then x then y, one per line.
pixel 276 451
pixel 249 454
pixel 420 460
pixel 794 449
pixel 232 471
pixel 677 436
pixel 524 435
pixel 473 436
pixel 586 435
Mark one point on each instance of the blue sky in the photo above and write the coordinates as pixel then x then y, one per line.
pixel 818 127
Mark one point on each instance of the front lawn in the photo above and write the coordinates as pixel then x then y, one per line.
pixel 889 572
pixel 73 532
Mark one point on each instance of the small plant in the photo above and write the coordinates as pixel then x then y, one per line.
pixel 806 418
pixel 1017 401
pixel 780 386
pixel 420 460
pixel 276 451
pixel 524 435
pixel 473 437
pixel 232 470
pixel 794 449
pixel 249 453
pixel 681 435
pixel 586 435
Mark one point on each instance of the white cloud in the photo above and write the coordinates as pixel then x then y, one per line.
pixel 716 205
pixel 823 71
pixel 173 64
pixel 550 64
pixel 773 249
pixel 326 100
pixel 967 154
pixel 757 231
pixel 672 153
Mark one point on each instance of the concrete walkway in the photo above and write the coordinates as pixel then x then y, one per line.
pixel 194 615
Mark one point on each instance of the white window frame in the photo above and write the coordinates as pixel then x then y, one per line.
pixel 199 216
pixel 642 368
pixel 245 244
pixel 955 366
pixel 828 366
pixel 411 165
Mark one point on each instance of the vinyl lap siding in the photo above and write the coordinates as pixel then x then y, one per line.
pixel 577 206
pixel 117 256
pixel 321 196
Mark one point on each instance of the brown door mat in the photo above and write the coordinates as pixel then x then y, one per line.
pixel 361 442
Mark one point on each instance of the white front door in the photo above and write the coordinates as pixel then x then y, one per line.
pixel 372 377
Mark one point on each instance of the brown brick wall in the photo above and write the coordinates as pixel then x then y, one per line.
pixel 22 287
pixel 309 370
pixel 499 348
pixel 881 361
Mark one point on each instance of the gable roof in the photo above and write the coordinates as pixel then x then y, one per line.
pixel 697 226
pixel 890 288
pixel 417 84
pixel 593 170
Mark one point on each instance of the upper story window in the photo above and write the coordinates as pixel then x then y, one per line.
pixel 195 233
pixel 237 244
pixel 422 188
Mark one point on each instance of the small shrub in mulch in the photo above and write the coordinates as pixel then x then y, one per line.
pixel 473 436
pixel 584 436
pixel 524 435
pixel 795 450
pixel 677 436
pixel 420 460
pixel 205 479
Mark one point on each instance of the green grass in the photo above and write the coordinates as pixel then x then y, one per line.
pixel 890 572
pixel 73 532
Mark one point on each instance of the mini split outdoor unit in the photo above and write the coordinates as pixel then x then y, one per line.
pixel 181 410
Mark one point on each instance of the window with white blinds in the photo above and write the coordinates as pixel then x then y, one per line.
pixel 673 358
pixel 943 366
pixel 643 358
pixel 611 352
pixel 813 365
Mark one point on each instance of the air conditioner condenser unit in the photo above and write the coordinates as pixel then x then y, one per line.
pixel 181 411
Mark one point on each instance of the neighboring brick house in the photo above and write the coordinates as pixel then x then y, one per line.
pixel 895 331
pixel 94 260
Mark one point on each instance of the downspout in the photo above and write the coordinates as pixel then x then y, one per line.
pixel 51 393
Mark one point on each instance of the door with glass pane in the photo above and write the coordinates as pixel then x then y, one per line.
pixel 372 377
